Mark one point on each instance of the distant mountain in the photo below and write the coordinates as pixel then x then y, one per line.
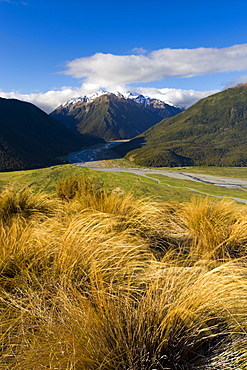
pixel 112 116
pixel 213 132
pixel 29 138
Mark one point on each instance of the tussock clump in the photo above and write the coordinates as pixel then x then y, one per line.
pixel 27 252
pixel 115 283
pixel 185 321
pixel 214 230
pixel 24 204
pixel 73 187
pixel 90 244
pixel 137 217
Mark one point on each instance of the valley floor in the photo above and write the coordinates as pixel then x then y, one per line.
pixel 226 182
pixel 97 159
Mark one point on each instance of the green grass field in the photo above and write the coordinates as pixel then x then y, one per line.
pixel 45 179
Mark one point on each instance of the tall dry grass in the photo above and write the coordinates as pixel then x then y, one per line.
pixel 214 229
pixel 23 204
pixel 118 283
pixel 179 321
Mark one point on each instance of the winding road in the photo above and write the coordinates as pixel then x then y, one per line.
pixel 90 158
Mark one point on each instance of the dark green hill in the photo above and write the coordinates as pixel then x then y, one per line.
pixel 213 132
pixel 112 117
pixel 29 138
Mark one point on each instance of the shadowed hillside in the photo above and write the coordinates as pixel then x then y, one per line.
pixel 29 138
pixel 213 132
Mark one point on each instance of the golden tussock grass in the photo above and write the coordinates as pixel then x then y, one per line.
pixel 114 283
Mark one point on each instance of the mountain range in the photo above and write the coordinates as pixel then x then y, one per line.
pixel 29 138
pixel 212 132
pixel 113 116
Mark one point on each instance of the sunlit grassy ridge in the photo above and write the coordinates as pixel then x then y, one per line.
pixel 209 133
pixel 92 279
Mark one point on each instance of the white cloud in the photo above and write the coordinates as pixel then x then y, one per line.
pixel 46 101
pixel 107 70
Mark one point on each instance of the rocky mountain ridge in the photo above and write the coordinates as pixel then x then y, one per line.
pixel 144 100
pixel 113 116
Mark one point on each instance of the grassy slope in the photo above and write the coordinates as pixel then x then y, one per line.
pixel 168 189
pixel 211 132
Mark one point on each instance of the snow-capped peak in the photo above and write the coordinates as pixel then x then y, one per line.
pixel 96 94
pixel 137 98
pixel 73 101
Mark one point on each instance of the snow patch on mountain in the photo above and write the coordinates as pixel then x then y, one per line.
pixel 73 101
pixel 139 99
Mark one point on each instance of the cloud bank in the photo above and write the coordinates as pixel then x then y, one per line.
pixel 107 70
pixel 46 101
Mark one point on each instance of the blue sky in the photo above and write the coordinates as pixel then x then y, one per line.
pixel 179 51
